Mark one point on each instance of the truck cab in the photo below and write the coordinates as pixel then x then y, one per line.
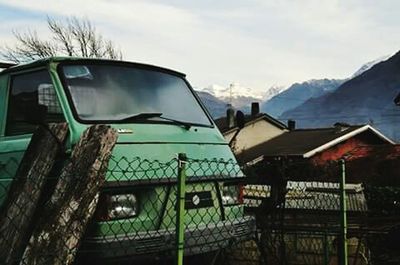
pixel 157 115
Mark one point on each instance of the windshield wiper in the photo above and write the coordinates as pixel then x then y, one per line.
pixel 141 116
pixel 148 115
pixel 181 123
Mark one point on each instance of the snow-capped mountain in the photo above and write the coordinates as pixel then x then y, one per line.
pixel 239 96
pixel 366 98
pixel 368 65
pixel 273 91
pixel 234 90
pixel 277 99
pixel 297 94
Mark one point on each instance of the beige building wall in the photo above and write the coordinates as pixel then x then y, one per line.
pixel 253 134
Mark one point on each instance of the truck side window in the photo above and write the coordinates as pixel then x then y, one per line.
pixel 31 94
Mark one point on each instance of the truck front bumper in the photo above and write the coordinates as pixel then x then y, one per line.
pixel 201 239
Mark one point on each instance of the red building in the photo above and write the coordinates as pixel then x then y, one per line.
pixel 317 145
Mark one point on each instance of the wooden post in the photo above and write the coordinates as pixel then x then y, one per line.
pixel 24 193
pixel 57 236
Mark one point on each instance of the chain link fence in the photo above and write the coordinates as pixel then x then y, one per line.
pixel 136 217
pixel 300 218
pixel 275 215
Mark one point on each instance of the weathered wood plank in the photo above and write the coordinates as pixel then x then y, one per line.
pixel 23 196
pixel 57 236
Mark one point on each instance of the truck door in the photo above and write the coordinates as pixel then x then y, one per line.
pixel 27 93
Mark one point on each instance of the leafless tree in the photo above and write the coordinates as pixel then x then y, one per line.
pixel 70 37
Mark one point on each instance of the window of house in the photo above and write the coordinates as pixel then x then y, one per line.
pixel 31 95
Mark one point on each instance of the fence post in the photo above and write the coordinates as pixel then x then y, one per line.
pixel 326 247
pixel 343 217
pixel 180 209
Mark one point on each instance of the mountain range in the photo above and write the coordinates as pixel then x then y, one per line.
pixel 368 65
pixel 216 98
pixel 216 107
pixel 238 96
pixel 366 98
pixel 299 93
pixel 276 100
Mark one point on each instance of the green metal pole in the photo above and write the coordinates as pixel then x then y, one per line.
pixel 343 215
pixel 180 209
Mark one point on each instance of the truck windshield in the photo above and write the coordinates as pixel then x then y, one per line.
pixel 113 92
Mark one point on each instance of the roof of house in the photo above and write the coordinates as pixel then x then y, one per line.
pixel 222 122
pixel 307 142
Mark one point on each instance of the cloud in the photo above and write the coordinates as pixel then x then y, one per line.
pixel 256 43
pixel 21 25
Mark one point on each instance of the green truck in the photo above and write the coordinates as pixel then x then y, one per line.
pixel 157 115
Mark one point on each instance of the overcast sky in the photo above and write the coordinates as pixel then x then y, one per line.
pixel 255 43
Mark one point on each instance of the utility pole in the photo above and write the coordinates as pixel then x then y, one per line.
pixel 231 93
pixel 343 216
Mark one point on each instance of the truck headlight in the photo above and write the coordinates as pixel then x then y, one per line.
pixel 122 206
pixel 232 194
pixel 117 206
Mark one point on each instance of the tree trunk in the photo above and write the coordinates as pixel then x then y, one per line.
pixel 23 196
pixel 57 236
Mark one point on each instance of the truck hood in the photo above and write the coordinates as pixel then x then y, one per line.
pixel 150 153
pixel 158 133
pixel 148 162
pixel 144 147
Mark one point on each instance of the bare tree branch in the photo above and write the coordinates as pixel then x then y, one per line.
pixel 71 37
pixel 62 35
pixel 79 30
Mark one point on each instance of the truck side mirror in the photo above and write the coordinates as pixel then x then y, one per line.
pixel 240 119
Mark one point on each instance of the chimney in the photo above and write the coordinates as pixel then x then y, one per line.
pixel 341 126
pixel 291 125
pixel 230 116
pixel 255 109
